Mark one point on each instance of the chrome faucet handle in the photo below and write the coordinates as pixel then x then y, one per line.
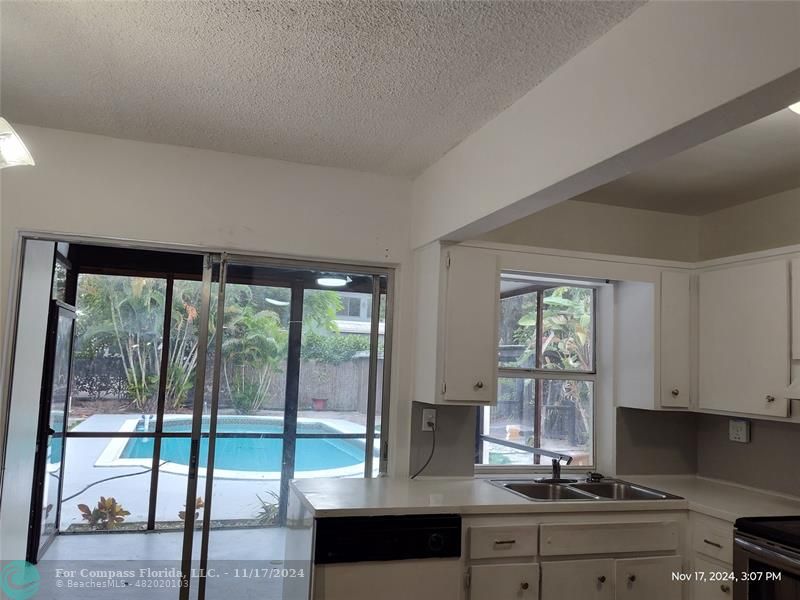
pixel 593 476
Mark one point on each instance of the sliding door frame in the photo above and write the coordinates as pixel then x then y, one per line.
pixel 211 258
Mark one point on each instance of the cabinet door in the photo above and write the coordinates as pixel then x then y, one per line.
pixel 648 578
pixel 675 326
pixel 744 339
pixel 711 590
pixel 472 304
pixel 518 581
pixel 578 580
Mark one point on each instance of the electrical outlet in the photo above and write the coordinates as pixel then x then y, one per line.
pixel 428 416
pixel 739 430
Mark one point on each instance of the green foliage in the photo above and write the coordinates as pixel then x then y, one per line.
pixel 333 349
pixel 253 350
pixel 106 515
pixel 566 345
pixel 566 328
pixel 268 510
pixel 319 310
pixel 121 318
pixel 124 316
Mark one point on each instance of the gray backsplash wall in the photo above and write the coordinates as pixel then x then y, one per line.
pixel 769 461
pixel 653 442
pixel 661 442
pixel 455 441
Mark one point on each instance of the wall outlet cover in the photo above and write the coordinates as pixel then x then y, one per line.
pixel 739 430
pixel 428 416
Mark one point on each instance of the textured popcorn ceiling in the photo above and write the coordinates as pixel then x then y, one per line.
pixel 377 86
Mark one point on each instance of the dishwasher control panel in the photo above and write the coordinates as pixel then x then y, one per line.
pixel 402 537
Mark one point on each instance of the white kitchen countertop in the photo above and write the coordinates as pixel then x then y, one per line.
pixel 385 496
pixel 721 499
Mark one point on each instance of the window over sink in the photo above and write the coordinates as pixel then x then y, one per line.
pixel 546 374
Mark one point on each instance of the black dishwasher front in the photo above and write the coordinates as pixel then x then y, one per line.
pixel 401 537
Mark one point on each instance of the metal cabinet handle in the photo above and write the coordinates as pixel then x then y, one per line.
pixel 631 577
pixel 725 588
pixel 478 385
pixel 524 585
pixel 715 544
pixel 504 542
pixel 602 579
pixel 676 392
pixel 770 398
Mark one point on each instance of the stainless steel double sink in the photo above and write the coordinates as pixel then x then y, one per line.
pixel 573 489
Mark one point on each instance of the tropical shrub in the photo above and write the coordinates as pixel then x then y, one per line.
pixel 106 515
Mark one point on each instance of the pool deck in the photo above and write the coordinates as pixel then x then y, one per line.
pixel 242 550
pixel 233 498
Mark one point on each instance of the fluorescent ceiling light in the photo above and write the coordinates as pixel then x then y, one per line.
pixel 333 281
pixel 12 151
pixel 795 107
pixel 277 302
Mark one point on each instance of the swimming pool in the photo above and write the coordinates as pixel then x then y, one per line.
pixel 245 457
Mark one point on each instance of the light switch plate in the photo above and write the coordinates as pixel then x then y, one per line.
pixel 739 430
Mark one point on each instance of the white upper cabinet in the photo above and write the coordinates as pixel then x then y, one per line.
pixel 744 338
pixel 653 338
pixel 458 299
pixel 675 330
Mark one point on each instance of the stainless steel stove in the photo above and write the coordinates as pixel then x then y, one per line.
pixel 766 558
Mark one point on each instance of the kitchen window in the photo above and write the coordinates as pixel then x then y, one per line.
pixel 546 374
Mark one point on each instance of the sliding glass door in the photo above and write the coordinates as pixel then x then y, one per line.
pixel 295 374
pixel 189 390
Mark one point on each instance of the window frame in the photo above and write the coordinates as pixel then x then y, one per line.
pixel 537 374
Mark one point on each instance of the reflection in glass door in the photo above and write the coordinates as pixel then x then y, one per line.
pixel 52 424
pixel 297 377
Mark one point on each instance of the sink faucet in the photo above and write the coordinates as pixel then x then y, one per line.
pixel 556 456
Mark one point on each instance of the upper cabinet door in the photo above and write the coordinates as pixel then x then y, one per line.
pixel 472 301
pixel 675 339
pixel 744 339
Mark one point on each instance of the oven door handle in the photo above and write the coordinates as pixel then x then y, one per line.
pixel 778 560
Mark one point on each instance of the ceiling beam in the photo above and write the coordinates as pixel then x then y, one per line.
pixel 669 77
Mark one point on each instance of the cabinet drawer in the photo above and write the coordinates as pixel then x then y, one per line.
pixel 712 537
pixel 560 539
pixel 499 542
pixel 711 590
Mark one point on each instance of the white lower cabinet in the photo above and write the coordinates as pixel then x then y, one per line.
pixel 712 581
pixel 510 581
pixel 578 579
pixel 648 578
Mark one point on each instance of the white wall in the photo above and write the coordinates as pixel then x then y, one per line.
pixel 98 186
pixel 588 227
pixel 670 76
pixel 769 222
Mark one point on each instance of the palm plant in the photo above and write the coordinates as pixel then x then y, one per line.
pixel 126 318
pixel 253 349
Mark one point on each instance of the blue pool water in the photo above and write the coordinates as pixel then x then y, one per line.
pixel 253 454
